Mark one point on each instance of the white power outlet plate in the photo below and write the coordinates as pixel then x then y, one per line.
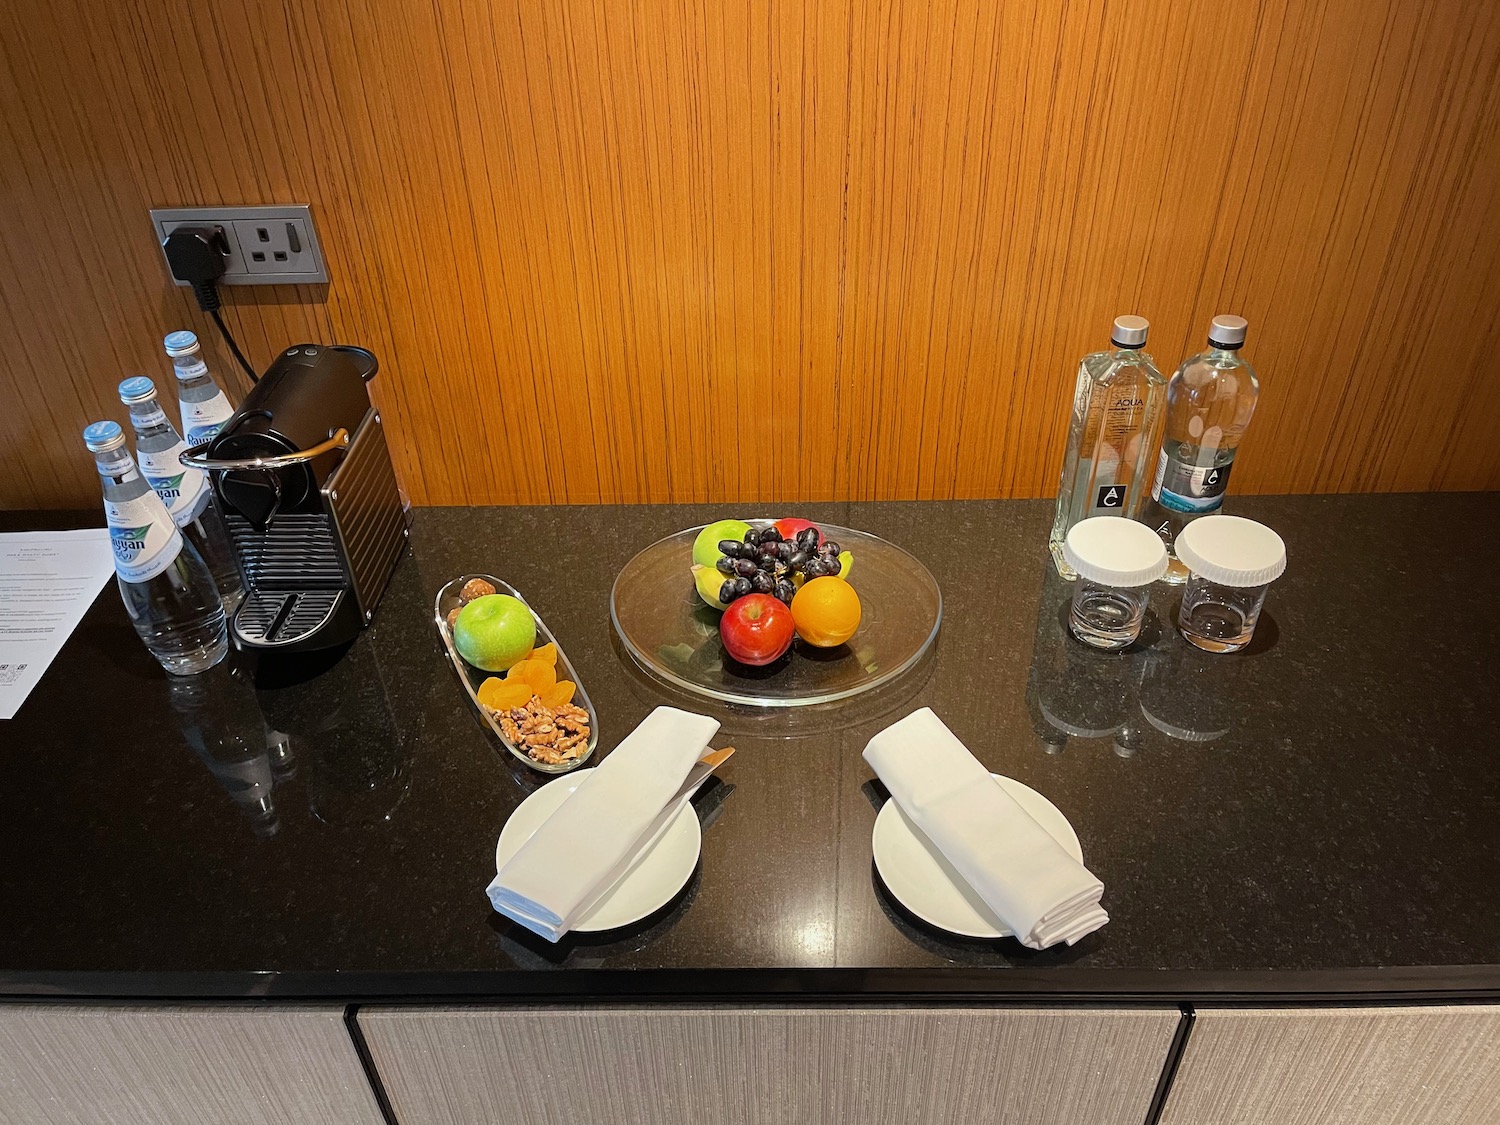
pixel 267 245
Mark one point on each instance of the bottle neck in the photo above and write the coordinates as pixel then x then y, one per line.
pixel 147 418
pixel 116 466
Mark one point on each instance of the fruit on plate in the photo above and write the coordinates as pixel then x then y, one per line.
pixel 826 612
pixel 706 547
pixel 765 561
pixel 494 631
pixel 791 526
pixel 707 581
pixel 756 629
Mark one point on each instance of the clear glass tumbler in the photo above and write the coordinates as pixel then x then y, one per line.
pixel 1116 560
pixel 1233 563
pixel 1107 616
pixel 1219 618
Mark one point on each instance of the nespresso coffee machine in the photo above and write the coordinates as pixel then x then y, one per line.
pixel 303 476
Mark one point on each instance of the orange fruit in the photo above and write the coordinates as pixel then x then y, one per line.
pixel 502 695
pixel 826 611
pixel 547 654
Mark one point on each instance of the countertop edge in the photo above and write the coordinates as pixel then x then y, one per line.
pixel 1397 984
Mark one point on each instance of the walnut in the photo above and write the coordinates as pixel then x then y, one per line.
pixel 546 735
pixel 474 588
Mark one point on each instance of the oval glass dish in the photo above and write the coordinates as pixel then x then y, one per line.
pixel 472 678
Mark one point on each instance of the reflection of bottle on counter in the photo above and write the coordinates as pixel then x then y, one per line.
pixel 222 722
pixel 1074 691
pixel 1186 693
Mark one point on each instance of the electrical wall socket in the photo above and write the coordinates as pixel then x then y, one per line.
pixel 266 245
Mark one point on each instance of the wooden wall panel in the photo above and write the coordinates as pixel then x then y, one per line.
pixel 1340 1066
pixel 768 1066
pixel 678 250
pixel 67 1064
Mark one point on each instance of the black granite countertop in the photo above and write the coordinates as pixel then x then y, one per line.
pixel 1316 817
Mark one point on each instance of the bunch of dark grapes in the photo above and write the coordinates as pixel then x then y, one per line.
pixel 765 563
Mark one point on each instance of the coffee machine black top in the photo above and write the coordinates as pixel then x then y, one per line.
pixel 303 475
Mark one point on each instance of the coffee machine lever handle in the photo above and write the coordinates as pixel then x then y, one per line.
pixel 197 457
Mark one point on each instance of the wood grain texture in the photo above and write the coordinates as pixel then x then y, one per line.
pixel 1342 1066
pixel 63 1064
pixel 675 250
pixel 758 1066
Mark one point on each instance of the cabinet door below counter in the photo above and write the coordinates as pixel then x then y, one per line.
pixel 1340 1066
pixel 74 1064
pixel 741 1065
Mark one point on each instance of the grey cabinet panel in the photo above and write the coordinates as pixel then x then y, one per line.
pixel 65 1064
pixel 1340 1066
pixel 733 1065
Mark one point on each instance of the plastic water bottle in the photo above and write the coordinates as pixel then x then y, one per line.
pixel 185 492
pixel 165 583
pixel 205 407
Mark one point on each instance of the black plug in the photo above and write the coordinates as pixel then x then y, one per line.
pixel 196 255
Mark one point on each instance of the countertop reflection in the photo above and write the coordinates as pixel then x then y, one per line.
pixel 1317 813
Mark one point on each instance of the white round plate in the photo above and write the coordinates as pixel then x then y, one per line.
pixel 646 888
pixel 923 881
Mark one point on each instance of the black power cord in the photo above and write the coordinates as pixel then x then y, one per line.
pixel 196 255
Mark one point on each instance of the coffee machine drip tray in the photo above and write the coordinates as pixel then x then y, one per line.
pixel 272 618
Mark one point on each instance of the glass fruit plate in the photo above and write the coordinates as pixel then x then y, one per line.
pixel 672 634
pixel 472 678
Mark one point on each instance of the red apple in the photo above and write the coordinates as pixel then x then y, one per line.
pixel 756 629
pixel 790 526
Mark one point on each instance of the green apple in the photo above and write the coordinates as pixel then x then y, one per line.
pixel 706 546
pixel 494 632
pixel 707 581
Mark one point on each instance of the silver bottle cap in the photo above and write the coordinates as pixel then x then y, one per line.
pixel 1130 331
pixel 1227 331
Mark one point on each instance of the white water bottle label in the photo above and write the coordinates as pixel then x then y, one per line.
pixel 202 420
pixel 184 491
pixel 144 538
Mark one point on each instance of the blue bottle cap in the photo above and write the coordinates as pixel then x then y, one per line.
pixel 181 342
pixel 101 437
pixel 137 388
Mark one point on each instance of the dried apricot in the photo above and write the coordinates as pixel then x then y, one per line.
pixel 538 673
pixel 558 694
pixel 502 695
pixel 547 654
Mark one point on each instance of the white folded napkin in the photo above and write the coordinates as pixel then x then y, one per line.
pixel 591 841
pixel 1035 887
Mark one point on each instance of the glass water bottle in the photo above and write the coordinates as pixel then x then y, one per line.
pixel 1209 405
pixel 205 407
pixel 168 591
pixel 1117 410
pixel 186 492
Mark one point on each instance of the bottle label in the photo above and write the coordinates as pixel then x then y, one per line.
pixel 190 370
pixel 1197 489
pixel 144 538
pixel 202 420
pixel 184 491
